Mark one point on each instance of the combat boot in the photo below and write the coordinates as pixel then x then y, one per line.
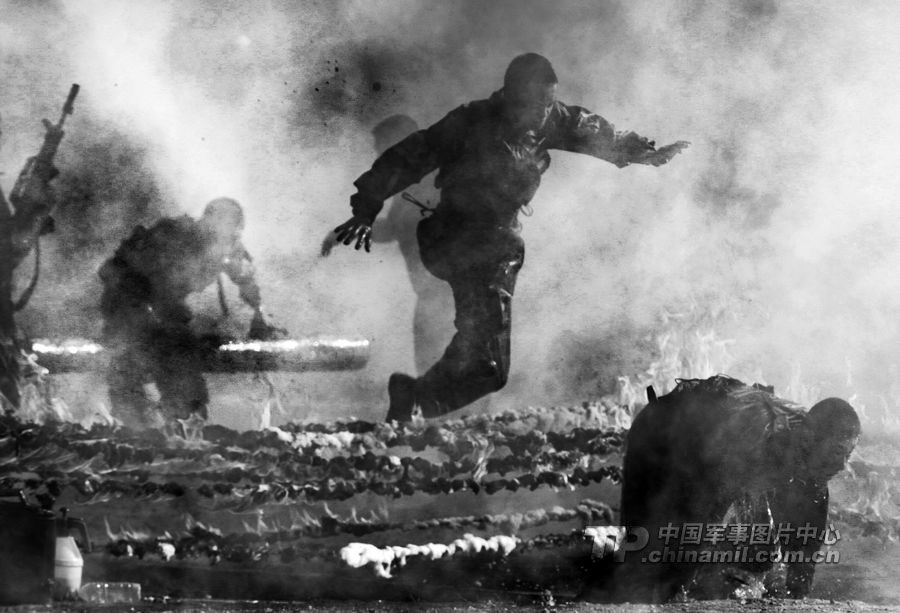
pixel 402 391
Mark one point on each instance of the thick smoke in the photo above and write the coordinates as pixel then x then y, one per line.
pixel 783 208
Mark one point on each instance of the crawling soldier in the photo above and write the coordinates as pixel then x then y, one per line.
pixel 717 451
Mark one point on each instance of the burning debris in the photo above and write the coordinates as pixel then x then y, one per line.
pixel 514 450
pixel 382 559
pixel 235 470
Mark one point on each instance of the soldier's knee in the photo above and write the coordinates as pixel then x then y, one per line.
pixel 501 377
pixel 497 371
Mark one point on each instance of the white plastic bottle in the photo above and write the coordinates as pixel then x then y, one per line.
pixel 68 564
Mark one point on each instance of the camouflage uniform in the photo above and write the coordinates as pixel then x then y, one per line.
pixel 145 285
pixel 486 174
pixel 712 451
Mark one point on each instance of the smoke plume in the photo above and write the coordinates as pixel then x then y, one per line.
pixel 782 209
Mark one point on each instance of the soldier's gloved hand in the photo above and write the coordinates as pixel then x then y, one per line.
pixel 48 226
pixel 663 154
pixel 328 244
pixel 634 144
pixel 357 229
pixel 208 344
pixel 260 330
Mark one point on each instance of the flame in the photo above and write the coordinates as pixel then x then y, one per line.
pixel 69 346
pixel 688 347
pixel 260 528
pixel 289 345
pixel 273 401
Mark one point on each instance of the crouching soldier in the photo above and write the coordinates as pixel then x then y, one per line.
pixel 146 318
pixel 717 455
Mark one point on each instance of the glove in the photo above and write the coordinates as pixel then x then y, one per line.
pixel 260 330
pixel 328 244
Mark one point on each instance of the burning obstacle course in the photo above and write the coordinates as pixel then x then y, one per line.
pixel 286 478
pixel 486 506
pixel 278 471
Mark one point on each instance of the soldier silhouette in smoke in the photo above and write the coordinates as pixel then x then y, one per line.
pixel 432 326
pixel 490 155
pixel 147 322
pixel 719 452
pixel 23 219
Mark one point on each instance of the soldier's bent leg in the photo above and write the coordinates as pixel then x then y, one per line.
pixel 179 377
pixel 182 393
pixel 125 379
pixel 478 359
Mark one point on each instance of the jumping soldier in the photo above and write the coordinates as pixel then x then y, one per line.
pixel 490 155
pixel 719 452
pixel 146 318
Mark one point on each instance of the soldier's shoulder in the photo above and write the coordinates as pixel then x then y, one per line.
pixel 180 225
pixel 473 110
pixel 482 105
pixel 135 239
pixel 168 233
pixel 178 221
pixel 576 116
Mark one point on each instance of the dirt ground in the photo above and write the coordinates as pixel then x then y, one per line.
pixel 716 606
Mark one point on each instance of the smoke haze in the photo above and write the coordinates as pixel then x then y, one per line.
pixel 782 212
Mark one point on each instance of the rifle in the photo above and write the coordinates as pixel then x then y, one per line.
pixel 31 202
pixel 40 168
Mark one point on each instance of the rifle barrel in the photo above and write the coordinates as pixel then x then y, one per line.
pixel 68 107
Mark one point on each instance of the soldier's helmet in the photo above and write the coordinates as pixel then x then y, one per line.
pixel 224 213
pixel 525 69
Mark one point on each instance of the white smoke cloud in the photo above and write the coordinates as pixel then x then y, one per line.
pixel 784 204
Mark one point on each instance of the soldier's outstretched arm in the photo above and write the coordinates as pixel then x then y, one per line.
pixel 582 131
pixel 400 166
pixel 239 268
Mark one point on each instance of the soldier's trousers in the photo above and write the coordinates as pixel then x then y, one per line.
pixel 481 268
pixel 168 358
